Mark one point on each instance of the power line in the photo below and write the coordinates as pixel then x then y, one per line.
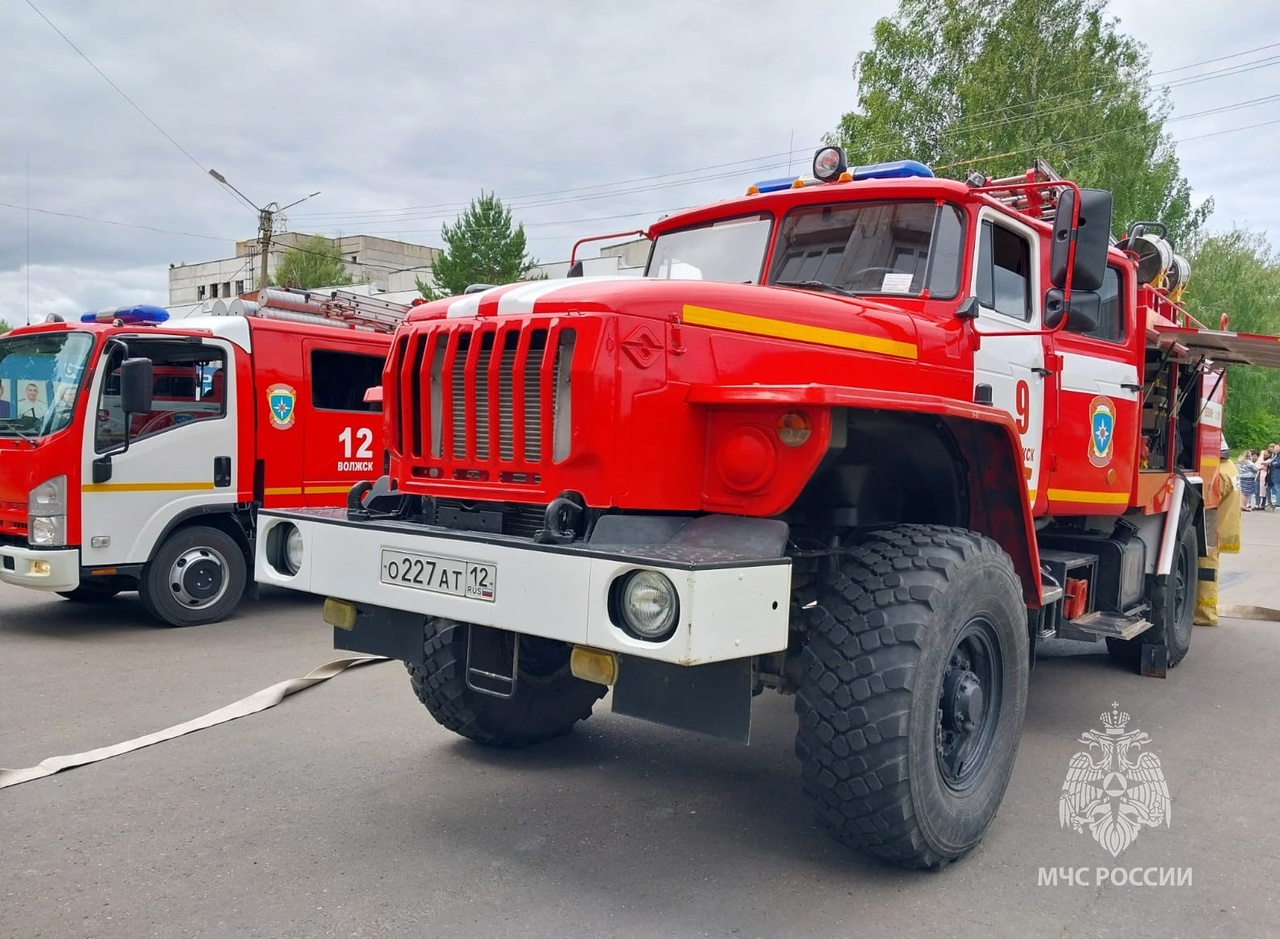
pixel 107 221
pixel 120 91
pixel 1034 109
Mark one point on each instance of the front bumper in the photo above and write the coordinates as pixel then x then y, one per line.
pixel 734 602
pixel 40 570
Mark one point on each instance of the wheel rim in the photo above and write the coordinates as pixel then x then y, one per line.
pixel 198 578
pixel 968 710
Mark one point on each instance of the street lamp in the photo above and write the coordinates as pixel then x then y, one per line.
pixel 266 222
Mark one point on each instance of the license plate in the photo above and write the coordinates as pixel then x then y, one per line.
pixel 452 576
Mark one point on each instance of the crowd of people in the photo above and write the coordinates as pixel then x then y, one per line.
pixel 1260 478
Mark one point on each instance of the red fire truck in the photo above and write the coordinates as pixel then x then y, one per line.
pixel 135 450
pixel 866 437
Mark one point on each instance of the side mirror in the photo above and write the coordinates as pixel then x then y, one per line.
pixel 1082 314
pixel 575 269
pixel 1092 239
pixel 136 385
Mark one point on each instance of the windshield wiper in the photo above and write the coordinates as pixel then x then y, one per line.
pixel 815 285
pixel 7 429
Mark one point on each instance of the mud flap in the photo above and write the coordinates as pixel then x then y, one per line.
pixel 396 634
pixel 710 699
pixel 1155 661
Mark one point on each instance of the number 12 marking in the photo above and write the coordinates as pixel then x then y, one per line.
pixel 365 438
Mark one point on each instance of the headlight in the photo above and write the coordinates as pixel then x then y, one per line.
pixel 47 530
pixel 284 549
pixel 48 498
pixel 293 550
pixel 47 513
pixel 648 605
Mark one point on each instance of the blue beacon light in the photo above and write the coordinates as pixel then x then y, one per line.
pixel 138 315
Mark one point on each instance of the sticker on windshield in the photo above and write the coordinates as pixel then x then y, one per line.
pixel 896 283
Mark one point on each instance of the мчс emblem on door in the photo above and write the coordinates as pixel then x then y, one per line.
pixel 1102 430
pixel 280 402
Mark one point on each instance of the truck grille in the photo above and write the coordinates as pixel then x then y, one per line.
pixel 482 394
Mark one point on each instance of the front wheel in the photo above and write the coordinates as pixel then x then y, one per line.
pixel 197 576
pixel 546 702
pixel 914 692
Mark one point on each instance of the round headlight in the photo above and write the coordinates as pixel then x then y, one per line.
pixel 293 550
pixel 649 605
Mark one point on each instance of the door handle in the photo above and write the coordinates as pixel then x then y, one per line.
pixel 1043 372
pixel 221 471
pixel 1129 386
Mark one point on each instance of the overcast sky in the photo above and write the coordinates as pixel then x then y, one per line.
pixel 399 111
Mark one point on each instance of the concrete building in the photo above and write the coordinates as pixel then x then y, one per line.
pixel 381 262
pixel 386 266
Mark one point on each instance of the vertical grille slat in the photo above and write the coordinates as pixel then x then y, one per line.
pixel 506 396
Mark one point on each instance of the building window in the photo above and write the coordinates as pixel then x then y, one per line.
pixel 213 291
pixel 239 287
pixel 201 291
pixel 226 289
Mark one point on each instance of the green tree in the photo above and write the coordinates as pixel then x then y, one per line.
pixel 483 246
pixel 1238 273
pixel 317 262
pixel 989 85
pixel 4 327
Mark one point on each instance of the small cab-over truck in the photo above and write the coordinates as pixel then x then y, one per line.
pixel 864 437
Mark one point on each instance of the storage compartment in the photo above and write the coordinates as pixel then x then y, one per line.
pixel 1122 559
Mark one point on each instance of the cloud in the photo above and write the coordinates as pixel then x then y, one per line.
pixel 391 104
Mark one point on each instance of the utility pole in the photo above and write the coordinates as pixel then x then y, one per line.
pixel 266 222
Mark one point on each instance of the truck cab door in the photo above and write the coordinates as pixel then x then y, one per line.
pixel 1011 365
pixel 1095 440
pixel 181 456
pixel 342 433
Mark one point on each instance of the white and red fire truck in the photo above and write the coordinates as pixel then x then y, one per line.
pixel 865 436
pixel 135 450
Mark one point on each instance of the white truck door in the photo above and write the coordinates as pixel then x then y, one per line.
pixel 1006 279
pixel 181 454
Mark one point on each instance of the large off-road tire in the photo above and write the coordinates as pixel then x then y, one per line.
pixel 914 692
pixel 90 592
pixel 197 576
pixel 1173 608
pixel 547 702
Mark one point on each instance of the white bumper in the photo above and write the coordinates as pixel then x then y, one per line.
pixel 41 570
pixel 727 610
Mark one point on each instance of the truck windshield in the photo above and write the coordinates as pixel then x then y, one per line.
pixel 731 250
pixel 40 376
pixel 871 248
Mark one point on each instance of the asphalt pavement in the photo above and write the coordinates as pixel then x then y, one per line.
pixel 347 812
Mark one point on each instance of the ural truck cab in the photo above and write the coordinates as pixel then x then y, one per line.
pixel 864 437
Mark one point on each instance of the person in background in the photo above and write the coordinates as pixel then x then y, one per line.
pixel 1264 478
pixel 4 402
pixel 1248 480
pixel 1273 475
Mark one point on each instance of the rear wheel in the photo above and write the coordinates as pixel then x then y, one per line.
pixel 1173 608
pixel 197 576
pixel 547 700
pixel 914 692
